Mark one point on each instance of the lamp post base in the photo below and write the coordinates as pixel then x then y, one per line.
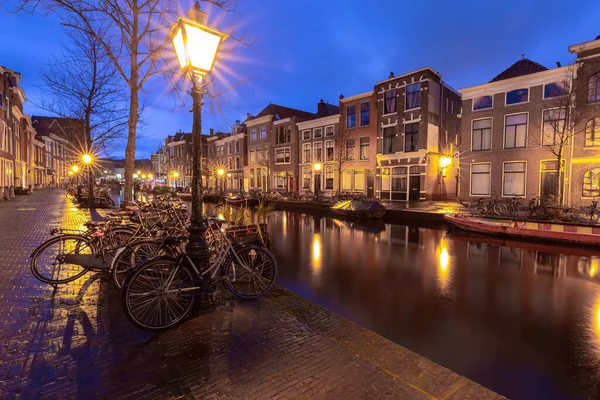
pixel 197 247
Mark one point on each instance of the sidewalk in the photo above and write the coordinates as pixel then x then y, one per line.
pixel 77 343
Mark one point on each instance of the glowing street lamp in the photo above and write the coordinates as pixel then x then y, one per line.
pixel 135 176
pixel 139 172
pixel 150 176
pixel 317 169
pixel 75 168
pixel 86 158
pixel 196 46
pixel 444 163
pixel 71 173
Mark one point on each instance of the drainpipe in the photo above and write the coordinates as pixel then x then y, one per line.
pixel 440 132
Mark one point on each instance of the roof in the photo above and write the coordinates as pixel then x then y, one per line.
pixel 326 110
pixel 68 128
pixel 281 112
pixel 522 67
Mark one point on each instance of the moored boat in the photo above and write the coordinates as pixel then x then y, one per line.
pixel 185 196
pixel 359 208
pixel 566 233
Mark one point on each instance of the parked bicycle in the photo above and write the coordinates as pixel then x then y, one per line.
pixel 589 214
pixel 492 205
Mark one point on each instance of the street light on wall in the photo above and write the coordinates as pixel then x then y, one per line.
pixel 444 163
pixel 220 173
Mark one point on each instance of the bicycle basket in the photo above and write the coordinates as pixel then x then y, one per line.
pixel 247 234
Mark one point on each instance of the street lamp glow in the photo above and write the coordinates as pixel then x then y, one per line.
pixel 220 171
pixel 196 44
pixel 150 176
pixel 229 174
pixel 135 176
pixel 144 176
pixel 176 174
pixel 445 161
pixel 74 168
pixel 105 171
pixel 317 167
pixel 71 173
pixel 87 158
pixel 139 172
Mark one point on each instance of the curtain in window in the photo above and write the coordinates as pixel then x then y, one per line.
pixel 413 96
pixel 516 131
pixel 554 122
pixel 389 138
pixel 480 179
pixel 482 134
pixel 346 180
pixel 389 102
pixel 411 137
pixel 514 179
pixel 359 180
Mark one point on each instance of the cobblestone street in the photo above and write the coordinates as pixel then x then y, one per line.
pixel 77 343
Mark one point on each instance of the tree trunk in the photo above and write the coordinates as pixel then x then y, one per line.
pixel 559 180
pixel 88 150
pixel 339 179
pixel 133 110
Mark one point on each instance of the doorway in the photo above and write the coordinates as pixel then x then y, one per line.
pixel 414 191
pixel 549 186
pixel 370 186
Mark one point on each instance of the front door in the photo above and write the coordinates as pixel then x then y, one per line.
pixel 370 186
pixel 414 191
pixel 548 186
pixel 291 185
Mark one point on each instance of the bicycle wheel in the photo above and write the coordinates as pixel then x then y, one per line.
pixel 48 264
pixel 116 238
pixel 588 215
pixel 500 209
pixel 130 256
pixel 475 208
pixel 253 274
pixel 148 303
pixel 540 212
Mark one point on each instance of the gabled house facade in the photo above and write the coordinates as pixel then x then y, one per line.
pixel 418 127
pixel 316 146
pixel 355 148
pixel 272 137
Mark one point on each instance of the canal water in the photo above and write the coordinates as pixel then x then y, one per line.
pixel 522 319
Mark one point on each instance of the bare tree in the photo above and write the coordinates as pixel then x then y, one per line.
pixel 135 36
pixel 341 155
pixel 82 85
pixel 561 122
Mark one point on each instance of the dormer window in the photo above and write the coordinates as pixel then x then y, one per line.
pixel 483 103
pixel 517 96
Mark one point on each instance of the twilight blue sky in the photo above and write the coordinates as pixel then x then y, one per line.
pixel 306 50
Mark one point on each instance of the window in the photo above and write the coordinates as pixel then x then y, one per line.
pixel 346 180
pixel 282 155
pixel 263 133
pixel 594 88
pixel 413 96
pixel 517 96
pixel 447 105
pixel 318 152
pixel 514 179
pixel 329 177
pixel 329 130
pixel 351 116
pixel 452 107
pixel 591 183
pixel 306 134
pixel 389 101
pixel 389 140
pixel 265 154
pixel 306 153
pixel 411 137
pixel 359 180
pixel 515 131
pixel 229 148
pixel 482 135
pixel 483 103
pixel 317 133
pixel 364 148
pixel 237 162
pixel 365 114
pixel 554 123
pixel 350 149
pixel 237 147
pixel 306 177
pixel 253 134
pixel 229 163
pixel 480 179
pixel 259 177
pixel 592 132
pixel 556 89
pixel 282 134
pixel 252 154
pixel 279 181
pixel 329 150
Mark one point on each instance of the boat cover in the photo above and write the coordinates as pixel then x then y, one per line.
pixel 358 206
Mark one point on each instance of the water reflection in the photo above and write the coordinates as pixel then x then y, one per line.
pixel 513 316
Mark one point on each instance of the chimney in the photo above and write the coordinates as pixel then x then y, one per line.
pixel 196 14
pixel 321 106
pixel 212 131
pixel 341 96
pixel 558 64
pixel 237 121
pixel 391 74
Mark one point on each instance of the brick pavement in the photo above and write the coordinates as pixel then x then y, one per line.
pixel 77 343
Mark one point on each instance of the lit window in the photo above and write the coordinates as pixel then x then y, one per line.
pixel 482 134
pixel 364 148
pixel 263 133
pixel 592 132
pixel 515 131
pixel 514 179
pixel 329 150
pixel 318 152
pixel 480 179
pixel 591 183
pixel 306 153
pixel 282 155
pixel 350 149
pixel 554 124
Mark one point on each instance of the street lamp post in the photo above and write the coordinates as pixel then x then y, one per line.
pixel 317 169
pixel 196 46
pixel 87 159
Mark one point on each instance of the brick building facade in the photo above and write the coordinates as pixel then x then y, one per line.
pixel 417 133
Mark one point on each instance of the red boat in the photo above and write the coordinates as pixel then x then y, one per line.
pixel 565 233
